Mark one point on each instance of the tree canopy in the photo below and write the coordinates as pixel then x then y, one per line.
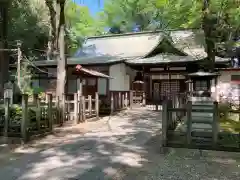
pixel 80 24
pixel 29 19
pixel 29 22
pixel 171 14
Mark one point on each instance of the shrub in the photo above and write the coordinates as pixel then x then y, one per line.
pixel 16 114
pixel 224 109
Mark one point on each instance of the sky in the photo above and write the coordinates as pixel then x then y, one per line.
pixel 94 5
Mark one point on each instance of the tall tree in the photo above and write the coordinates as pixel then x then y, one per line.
pixel 28 23
pixel 52 39
pixel 62 62
pixel 208 24
pixel 3 43
pixel 79 25
pixel 219 19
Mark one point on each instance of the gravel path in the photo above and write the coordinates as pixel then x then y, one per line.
pixel 124 148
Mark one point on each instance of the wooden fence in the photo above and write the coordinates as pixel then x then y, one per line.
pixel 79 108
pixel 37 116
pixel 28 119
pixel 120 100
pixel 182 128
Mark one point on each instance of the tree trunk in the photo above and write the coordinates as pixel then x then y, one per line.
pixel 4 61
pixel 61 68
pixel 52 41
pixel 208 28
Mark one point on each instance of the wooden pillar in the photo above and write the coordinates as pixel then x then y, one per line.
pixel 189 122
pixel 215 123
pixel 126 99
pixel 50 117
pixel 68 107
pixel 80 88
pixel 144 99
pixel 4 62
pixel 123 101
pixel 90 105
pixel 131 99
pixel 216 89
pixel 164 123
pixel 75 108
pixel 119 100
pixel 83 108
pixel 112 103
pixel 150 86
pixel 97 104
pixel 64 108
pixel 170 114
pixel 7 115
pixel 38 113
pixel 80 112
pixel 24 122
pixel 59 118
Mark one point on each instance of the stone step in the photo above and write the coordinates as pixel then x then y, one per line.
pixel 201 99
pixel 197 127
pixel 202 103
pixel 202 142
pixel 202 120
pixel 202 114
pixel 201 139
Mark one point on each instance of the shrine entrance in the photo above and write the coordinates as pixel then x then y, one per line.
pixel 166 89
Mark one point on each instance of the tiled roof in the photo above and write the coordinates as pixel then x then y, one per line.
pixel 169 58
pixel 161 59
pixel 190 42
pixel 119 47
pixel 82 61
pixel 134 48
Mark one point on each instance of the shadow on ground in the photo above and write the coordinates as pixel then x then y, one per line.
pixel 129 152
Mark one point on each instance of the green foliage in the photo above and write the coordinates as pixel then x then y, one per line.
pixel 16 114
pixel 170 14
pixel 127 13
pixel 224 109
pixel 80 24
pixel 28 22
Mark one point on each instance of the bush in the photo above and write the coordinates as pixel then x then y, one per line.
pixel 224 109
pixel 16 114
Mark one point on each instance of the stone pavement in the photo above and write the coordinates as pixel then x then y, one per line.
pixel 96 151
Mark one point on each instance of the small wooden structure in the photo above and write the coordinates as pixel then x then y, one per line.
pixel 85 87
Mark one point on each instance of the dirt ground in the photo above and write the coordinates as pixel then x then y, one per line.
pixel 122 147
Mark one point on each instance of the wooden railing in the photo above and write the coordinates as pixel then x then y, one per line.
pixel 37 115
pixel 169 122
pixel 28 119
pixel 195 128
pixel 120 100
pixel 79 108
pixel 139 97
